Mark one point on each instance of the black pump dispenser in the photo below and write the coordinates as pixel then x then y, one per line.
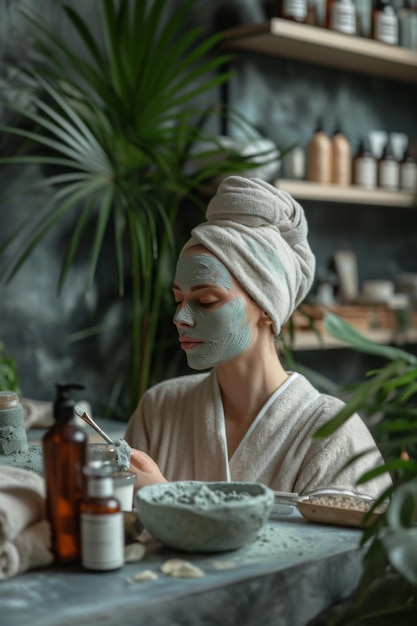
pixel 64 404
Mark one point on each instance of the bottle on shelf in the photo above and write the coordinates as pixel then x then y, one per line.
pixel 363 17
pixel 312 15
pixel 384 23
pixel 316 13
pixel 341 16
pixel 319 152
pixel 102 524
pixel 408 172
pixel 64 457
pixel 293 10
pixel 388 168
pixel 364 167
pixel 294 164
pixel 407 23
pixel 341 159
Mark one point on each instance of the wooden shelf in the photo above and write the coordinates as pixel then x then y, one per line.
pixel 319 46
pixel 305 190
pixel 308 340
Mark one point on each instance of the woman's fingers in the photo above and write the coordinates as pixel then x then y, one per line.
pixel 146 470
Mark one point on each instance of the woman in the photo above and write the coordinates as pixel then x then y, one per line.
pixel 238 280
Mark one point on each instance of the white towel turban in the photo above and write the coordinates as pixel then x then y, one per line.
pixel 260 234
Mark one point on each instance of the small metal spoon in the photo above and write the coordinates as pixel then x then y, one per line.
pixel 89 420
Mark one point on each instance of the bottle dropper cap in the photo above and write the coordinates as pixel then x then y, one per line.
pixel 100 480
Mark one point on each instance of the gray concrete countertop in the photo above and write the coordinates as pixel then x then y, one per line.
pixel 293 571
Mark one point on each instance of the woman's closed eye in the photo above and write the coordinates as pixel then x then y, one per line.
pixel 207 305
pixel 202 297
pixel 200 303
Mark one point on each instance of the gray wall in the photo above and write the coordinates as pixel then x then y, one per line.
pixel 285 99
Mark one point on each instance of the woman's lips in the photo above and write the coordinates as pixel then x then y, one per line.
pixel 187 343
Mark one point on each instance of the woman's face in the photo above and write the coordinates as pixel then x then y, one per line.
pixel 211 315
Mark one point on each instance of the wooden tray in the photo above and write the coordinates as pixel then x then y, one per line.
pixel 326 514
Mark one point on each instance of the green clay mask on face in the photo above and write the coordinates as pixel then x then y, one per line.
pixel 201 269
pixel 224 331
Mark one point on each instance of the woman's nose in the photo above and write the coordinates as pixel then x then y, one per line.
pixel 184 316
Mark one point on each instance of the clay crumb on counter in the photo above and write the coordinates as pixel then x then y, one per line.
pixel 140 577
pixel 179 568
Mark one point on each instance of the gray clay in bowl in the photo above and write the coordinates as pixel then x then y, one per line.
pixel 204 516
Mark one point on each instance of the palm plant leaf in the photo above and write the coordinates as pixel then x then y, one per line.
pixel 117 124
pixel 390 394
pixel 340 329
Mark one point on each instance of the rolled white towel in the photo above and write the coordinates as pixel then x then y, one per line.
pixel 30 549
pixel 22 501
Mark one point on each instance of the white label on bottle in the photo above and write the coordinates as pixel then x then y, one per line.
pixel 295 8
pixel 408 176
pixel 365 172
pixel 386 28
pixel 102 541
pixel 343 18
pixel 388 174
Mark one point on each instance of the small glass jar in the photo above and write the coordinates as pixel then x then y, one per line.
pixel 13 436
pixel 123 488
pixel 105 453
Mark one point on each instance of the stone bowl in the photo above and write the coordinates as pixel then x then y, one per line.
pixel 200 516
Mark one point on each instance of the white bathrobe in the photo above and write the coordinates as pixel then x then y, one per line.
pixel 180 424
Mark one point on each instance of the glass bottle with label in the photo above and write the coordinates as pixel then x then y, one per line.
pixel 102 524
pixel 408 173
pixel 364 167
pixel 407 23
pixel 64 456
pixel 341 16
pixel 384 25
pixel 294 10
pixel 388 169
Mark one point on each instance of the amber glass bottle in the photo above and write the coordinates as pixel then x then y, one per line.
pixel 64 457
pixel 294 10
pixel 102 522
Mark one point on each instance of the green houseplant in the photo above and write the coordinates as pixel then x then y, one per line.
pixel 387 592
pixel 115 128
pixel 9 379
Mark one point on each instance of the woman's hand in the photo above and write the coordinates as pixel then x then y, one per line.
pixel 146 470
